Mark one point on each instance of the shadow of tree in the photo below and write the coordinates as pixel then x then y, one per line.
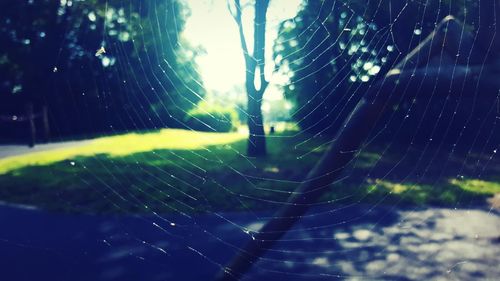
pixel 222 178
pixel 385 244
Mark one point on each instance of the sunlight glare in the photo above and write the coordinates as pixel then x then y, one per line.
pixel 212 27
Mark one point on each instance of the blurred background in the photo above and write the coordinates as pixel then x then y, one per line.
pixel 200 119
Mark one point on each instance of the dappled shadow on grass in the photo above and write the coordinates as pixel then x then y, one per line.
pixel 440 194
pixel 424 177
pixel 221 178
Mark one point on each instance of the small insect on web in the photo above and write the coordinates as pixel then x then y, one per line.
pixel 100 52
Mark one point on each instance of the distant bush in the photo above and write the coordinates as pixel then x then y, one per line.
pixel 211 118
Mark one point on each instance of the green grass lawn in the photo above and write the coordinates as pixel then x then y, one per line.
pixel 186 172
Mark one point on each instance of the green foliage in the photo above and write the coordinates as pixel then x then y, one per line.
pixel 330 50
pixel 326 51
pixel 211 117
pixel 143 79
pixel 477 185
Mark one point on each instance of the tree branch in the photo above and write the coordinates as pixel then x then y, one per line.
pixel 259 44
pixel 448 36
pixel 237 18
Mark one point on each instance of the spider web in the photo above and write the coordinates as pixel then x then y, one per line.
pixel 181 231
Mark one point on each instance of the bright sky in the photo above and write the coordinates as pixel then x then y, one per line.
pixel 212 27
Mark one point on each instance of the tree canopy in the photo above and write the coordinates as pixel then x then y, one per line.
pixel 333 50
pixel 99 66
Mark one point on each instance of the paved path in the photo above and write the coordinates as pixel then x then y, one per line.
pixel 355 243
pixel 431 244
pixel 12 149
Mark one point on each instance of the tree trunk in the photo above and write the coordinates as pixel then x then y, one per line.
pixel 324 173
pixel 31 123
pixel 256 138
pixel 46 126
pixel 254 62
